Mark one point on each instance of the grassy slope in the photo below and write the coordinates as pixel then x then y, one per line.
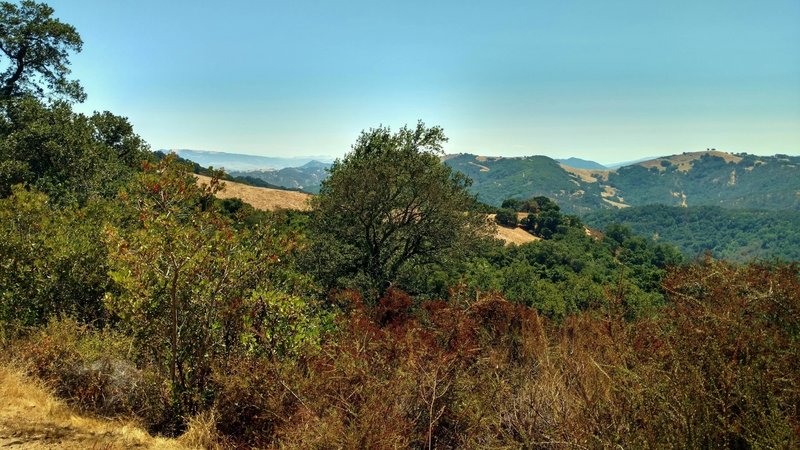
pixel 32 418
pixel 262 198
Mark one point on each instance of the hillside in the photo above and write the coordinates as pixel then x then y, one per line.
pixel 498 178
pixel 714 179
pixel 739 235
pixel 262 198
pixel 689 179
pixel 307 177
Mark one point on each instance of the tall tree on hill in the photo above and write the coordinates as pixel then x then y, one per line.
pixel 391 204
pixel 34 52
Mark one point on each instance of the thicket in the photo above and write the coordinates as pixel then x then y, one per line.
pixel 734 234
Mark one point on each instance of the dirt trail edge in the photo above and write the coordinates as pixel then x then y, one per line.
pixel 32 418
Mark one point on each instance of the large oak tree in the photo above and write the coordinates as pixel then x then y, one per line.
pixel 391 204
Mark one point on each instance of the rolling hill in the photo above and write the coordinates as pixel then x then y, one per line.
pixel 262 198
pixel 307 177
pixel 688 179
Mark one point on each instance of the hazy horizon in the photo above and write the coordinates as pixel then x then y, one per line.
pixel 609 82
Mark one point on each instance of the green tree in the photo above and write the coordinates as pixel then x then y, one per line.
pixel 506 217
pixel 69 156
pixel 35 49
pixel 390 204
pixel 51 260
pixel 194 291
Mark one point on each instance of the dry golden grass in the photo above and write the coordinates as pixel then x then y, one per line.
pixel 32 418
pixel 261 198
pixel 514 235
pixel 588 175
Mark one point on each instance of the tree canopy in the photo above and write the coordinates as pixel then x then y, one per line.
pixel 67 155
pixel 34 52
pixel 391 202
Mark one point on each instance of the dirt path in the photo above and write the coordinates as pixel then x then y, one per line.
pixel 31 418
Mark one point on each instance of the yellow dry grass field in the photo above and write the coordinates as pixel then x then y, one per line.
pixel 31 418
pixel 587 175
pixel 514 235
pixel 261 198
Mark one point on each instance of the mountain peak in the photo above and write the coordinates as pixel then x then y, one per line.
pixel 579 163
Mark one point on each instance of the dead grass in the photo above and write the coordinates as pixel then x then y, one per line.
pixel 514 235
pixel 32 418
pixel 588 175
pixel 262 198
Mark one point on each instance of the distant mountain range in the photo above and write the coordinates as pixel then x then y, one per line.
pixel 711 178
pixel 239 162
pixel 307 177
pixel 689 179
pixel 579 163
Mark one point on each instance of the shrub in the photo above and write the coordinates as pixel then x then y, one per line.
pixel 506 217
pixel 93 370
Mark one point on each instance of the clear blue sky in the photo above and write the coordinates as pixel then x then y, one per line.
pixel 605 80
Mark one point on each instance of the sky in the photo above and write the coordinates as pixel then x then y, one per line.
pixel 603 80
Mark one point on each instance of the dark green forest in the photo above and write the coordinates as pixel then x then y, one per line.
pixel 733 234
pixel 388 316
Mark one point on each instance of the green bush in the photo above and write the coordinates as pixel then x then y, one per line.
pixel 506 217
pixel 52 262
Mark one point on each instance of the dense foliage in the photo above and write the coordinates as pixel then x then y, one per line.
pixel 34 52
pixel 69 156
pixel 734 234
pixel 754 182
pixel 390 205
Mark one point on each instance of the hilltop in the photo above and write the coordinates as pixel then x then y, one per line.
pixel 688 179
pixel 262 198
